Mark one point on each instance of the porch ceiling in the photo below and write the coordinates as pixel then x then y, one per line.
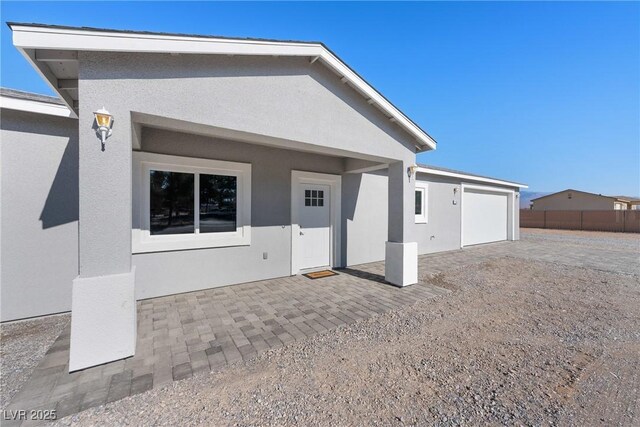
pixel 357 161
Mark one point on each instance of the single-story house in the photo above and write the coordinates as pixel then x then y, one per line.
pixel 570 200
pixel 172 163
pixel 628 202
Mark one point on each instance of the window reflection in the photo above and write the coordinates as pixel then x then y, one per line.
pixel 171 202
pixel 217 203
pixel 418 202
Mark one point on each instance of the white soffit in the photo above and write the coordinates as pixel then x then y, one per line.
pixel 430 171
pixel 33 106
pixel 28 37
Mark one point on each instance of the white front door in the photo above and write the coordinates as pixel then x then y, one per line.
pixel 314 214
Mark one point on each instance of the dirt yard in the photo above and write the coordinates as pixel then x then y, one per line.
pixel 22 346
pixel 518 342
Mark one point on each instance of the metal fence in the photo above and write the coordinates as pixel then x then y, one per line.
pixel 623 220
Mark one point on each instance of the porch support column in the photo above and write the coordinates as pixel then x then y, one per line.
pixel 401 252
pixel 103 309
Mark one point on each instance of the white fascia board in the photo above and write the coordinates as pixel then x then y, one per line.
pixel 75 39
pixel 37 107
pixel 36 37
pixel 469 177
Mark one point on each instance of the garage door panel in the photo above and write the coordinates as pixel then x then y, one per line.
pixel 484 217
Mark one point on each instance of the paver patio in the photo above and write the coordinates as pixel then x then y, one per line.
pixel 181 335
pixel 184 334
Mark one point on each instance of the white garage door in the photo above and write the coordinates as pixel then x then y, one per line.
pixel 484 217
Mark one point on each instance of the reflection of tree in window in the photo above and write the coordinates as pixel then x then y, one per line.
pixel 218 195
pixel 171 202
pixel 418 202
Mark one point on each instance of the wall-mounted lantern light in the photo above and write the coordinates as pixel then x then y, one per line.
pixel 410 171
pixel 104 121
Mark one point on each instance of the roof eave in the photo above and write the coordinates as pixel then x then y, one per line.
pixel 430 171
pixel 35 106
pixel 27 37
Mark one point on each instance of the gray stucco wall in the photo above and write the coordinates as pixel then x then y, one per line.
pixel 365 213
pixel 366 234
pixel 163 273
pixel 367 231
pixel 39 194
pixel 442 230
pixel 285 98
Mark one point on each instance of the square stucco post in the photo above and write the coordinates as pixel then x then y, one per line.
pixel 103 309
pixel 401 253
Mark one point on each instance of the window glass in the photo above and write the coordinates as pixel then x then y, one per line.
pixel 418 202
pixel 314 197
pixel 171 202
pixel 218 203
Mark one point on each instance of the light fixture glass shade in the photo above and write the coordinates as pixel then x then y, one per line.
pixel 103 118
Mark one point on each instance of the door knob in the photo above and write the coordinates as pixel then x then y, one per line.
pixel 301 233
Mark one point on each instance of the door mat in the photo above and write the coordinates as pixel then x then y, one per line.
pixel 320 274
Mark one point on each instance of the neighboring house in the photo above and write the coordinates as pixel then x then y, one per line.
pixel 626 202
pixel 230 160
pixel 568 200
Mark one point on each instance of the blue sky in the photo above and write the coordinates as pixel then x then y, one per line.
pixel 543 93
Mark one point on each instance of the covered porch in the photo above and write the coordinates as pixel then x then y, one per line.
pixel 278 188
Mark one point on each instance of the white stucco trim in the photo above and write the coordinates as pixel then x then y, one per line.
pixel 335 182
pixel 31 37
pixel 511 206
pixel 401 263
pixel 421 169
pixel 144 242
pixel 103 320
pixel 33 106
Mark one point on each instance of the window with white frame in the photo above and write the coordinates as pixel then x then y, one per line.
pixel 421 203
pixel 187 203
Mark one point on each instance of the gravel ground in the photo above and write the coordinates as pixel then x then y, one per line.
pixel 518 342
pixel 22 346
pixel 598 239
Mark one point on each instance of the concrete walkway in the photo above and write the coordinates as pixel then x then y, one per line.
pixel 181 335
